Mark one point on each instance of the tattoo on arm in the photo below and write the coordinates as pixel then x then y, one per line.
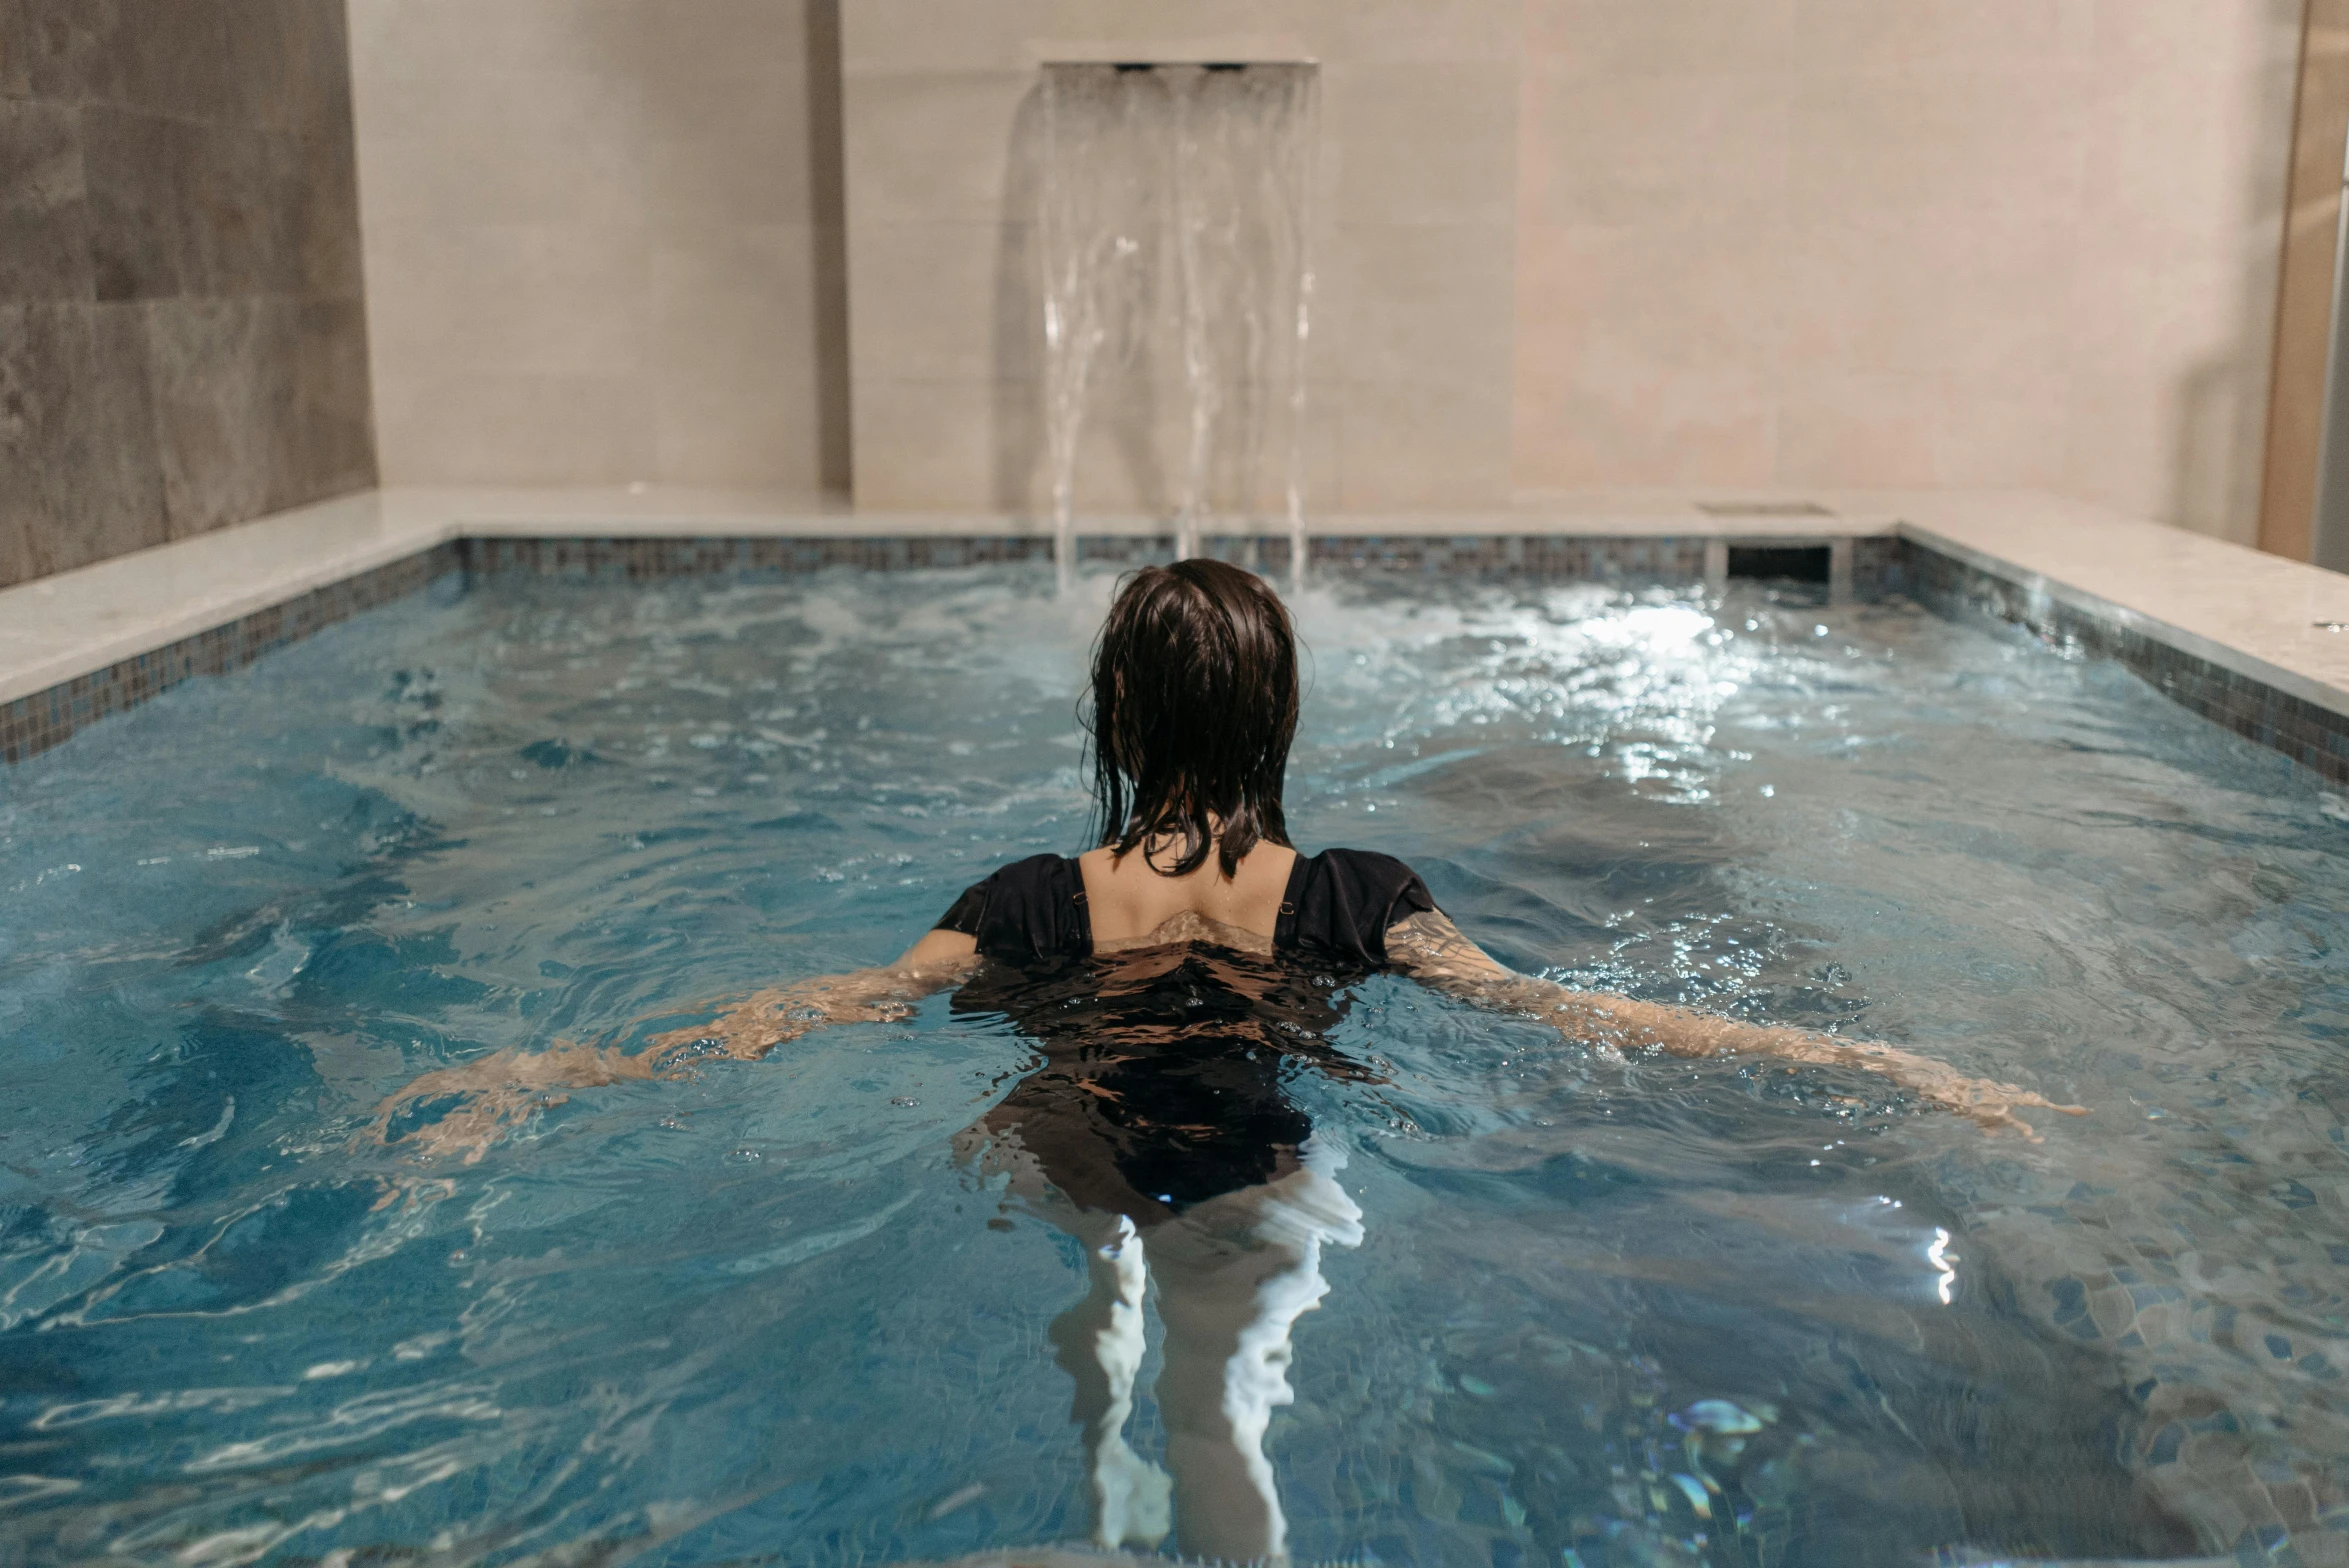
pixel 1433 951
pixel 1430 947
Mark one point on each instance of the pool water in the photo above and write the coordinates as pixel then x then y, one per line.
pixel 1572 1309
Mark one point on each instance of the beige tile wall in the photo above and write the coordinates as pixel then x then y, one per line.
pixel 1415 205
pixel 1903 243
pixel 1563 244
pixel 602 240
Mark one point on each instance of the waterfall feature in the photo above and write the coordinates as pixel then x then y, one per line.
pixel 1173 236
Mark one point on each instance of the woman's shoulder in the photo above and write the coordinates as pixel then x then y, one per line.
pixel 1024 911
pixel 1343 900
pixel 1355 874
pixel 1036 877
pixel 1338 860
pixel 1034 868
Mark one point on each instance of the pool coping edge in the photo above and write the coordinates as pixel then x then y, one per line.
pixel 255 591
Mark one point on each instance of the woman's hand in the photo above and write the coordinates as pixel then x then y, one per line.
pixel 496 1091
pixel 1986 1103
pixel 1629 1025
pixel 1431 949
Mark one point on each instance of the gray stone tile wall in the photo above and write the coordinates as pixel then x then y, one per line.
pixel 182 323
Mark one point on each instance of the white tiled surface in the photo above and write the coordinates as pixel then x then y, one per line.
pixel 56 628
pixel 2244 611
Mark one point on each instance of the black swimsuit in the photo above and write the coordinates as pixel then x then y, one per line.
pixel 1164 1073
pixel 1336 909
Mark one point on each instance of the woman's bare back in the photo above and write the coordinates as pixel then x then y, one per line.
pixel 1133 905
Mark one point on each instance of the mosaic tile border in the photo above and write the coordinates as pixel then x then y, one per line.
pixel 31 725
pixel 1603 559
pixel 1882 565
pixel 1543 555
pixel 2315 737
pixel 1879 566
pixel 644 560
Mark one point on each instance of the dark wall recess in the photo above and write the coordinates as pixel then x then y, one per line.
pixel 183 337
pixel 1801 563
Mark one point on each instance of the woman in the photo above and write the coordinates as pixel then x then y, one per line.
pixel 1167 977
pixel 1194 706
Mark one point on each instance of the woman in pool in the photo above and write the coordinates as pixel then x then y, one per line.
pixel 1194 705
pixel 1168 977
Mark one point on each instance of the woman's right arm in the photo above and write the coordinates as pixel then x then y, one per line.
pixel 765 1019
pixel 1432 950
pixel 493 1091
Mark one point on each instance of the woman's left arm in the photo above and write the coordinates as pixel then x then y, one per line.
pixel 1432 950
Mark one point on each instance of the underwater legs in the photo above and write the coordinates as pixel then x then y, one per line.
pixel 1229 1303
pixel 1100 1345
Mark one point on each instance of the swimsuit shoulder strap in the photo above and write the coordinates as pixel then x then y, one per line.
pixel 1030 912
pixel 1340 903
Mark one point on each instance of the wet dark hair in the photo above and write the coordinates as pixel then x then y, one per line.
pixel 1193 708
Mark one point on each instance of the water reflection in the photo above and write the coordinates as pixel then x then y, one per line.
pixel 1157 1130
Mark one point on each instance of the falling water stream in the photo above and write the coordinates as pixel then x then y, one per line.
pixel 1173 234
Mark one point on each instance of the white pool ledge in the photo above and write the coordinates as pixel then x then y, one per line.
pixel 2257 615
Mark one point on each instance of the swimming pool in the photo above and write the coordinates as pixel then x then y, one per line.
pixel 1653 1312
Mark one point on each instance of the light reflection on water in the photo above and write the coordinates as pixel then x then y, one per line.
pixel 1655 1312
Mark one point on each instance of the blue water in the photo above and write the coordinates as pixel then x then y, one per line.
pixel 1655 1312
